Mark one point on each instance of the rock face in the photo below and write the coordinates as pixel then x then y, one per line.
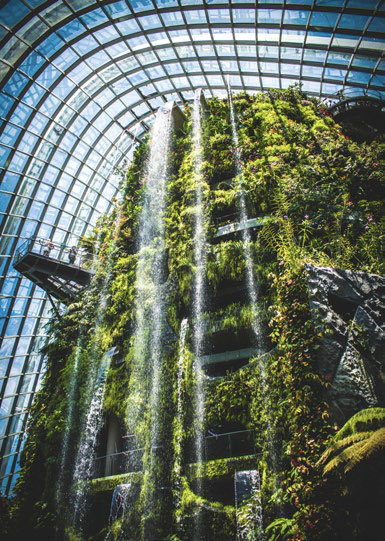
pixel 349 307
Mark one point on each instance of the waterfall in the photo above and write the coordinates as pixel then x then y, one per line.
pixel 71 407
pixel 92 420
pixel 85 459
pixel 199 288
pixel 252 285
pixel 248 507
pixel 119 502
pixel 72 410
pixel 179 417
pixel 145 380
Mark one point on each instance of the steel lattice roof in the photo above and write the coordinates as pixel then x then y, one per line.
pixel 80 81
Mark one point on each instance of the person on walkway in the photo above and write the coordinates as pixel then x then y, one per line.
pixel 72 255
pixel 48 246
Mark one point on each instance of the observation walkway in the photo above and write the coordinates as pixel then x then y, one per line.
pixel 216 447
pixel 49 267
pixel 229 356
pixel 356 107
pixel 233 224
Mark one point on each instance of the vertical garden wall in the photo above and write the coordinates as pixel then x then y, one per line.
pixel 314 200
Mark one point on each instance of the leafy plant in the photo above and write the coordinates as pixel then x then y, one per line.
pixel 359 441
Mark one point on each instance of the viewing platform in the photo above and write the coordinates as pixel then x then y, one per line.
pixel 216 446
pixel 229 356
pixel 230 225
pixel 49 265
pixel 355 107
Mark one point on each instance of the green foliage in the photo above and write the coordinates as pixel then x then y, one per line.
pixel 281 529
pixel 361 439
pixel 324 194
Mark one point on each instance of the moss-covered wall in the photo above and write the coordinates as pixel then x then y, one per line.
pixel 324 196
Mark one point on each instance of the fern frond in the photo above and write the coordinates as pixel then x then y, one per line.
pixel 375 444
pixel 270 236
pixel 346 455
pixel 339 445
pixel 364 420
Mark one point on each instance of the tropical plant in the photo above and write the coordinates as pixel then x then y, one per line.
pixel 359 441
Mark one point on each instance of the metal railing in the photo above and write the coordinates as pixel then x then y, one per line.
pixel 216 446
pixel 353 95
pixel 53 250
pixel 227 219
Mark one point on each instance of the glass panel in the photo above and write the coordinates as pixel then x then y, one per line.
pixel 173 69
pixel 195 17
pixel 3 426
pixel 28 142
pixel 324 19
pixel 226 50
pixel 21 114
pixel 16 84
pixel 9 135
pixel 50 45
pixel 9 182
pixel 29 228
pixel 312 55
pixel 364 61
pixel 18 162
pixel 33 95
pixel 243 15
pixel 19 205
pixel 377 25
pixel 339 58
pixel 359 77
pixel 107 34
pixel 269 16
pixel 356 22
pixel 93 18
pixel 32 63
pixel 312 71
pixel 36 210
pixel 13 326
pixel 141 5
pixel 85 45
pixel 66 59
pixel 117 9
pixel 11 387
pixel 11 227
pixel 219 15
pixel 7 344
pixel 296 17
pixel 150 22
pixel 291 69
pixel 331 73
pixel 71 30
pixel 229 65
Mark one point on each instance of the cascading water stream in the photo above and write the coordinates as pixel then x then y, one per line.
pixel 120 499
pixel 200 255
pixel 71 400
pixel 145 380
pixel 179 417
pixel 92 421
pixel 85 459
pixel 252 285
pixel 72 388
pixel 247 488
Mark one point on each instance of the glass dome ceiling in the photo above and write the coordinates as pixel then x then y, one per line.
pixel 80 81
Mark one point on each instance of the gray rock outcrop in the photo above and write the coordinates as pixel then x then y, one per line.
pixel 349 308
